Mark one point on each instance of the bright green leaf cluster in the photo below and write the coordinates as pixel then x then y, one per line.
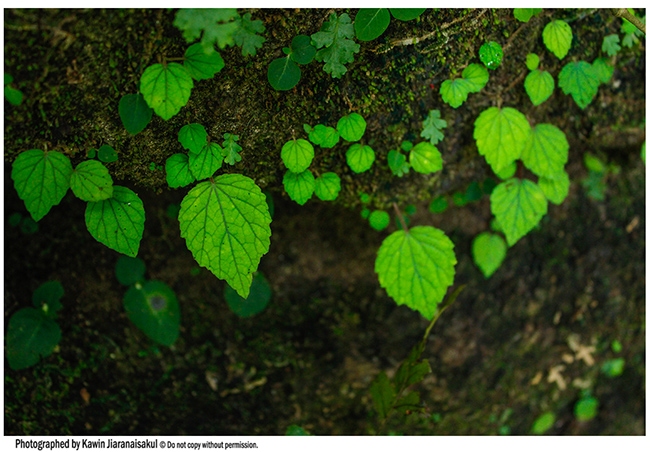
pixel 335 44
pixel 474 78
pixel 284 73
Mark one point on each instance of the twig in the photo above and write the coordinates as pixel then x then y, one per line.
pixel 625 14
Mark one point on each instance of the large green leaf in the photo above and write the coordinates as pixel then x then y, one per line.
pixel 30 335
pixel 117 222
pixel 557 37
pixel 501 135
pixel 193 137
pixel 539 86
pixel 335 41
pixel 370 23
pixel 488 251
pixel 207 162
pixel 225 222
pixel 416 267
pixel 177 170
pixel 547 151
pixel 299 186
pixel 134 113
pixel 351 127
pixel 455 92
pixel 581 81
pixel 166 88
pixel 201 65
pixel 41 180
pixel 360 157
pixel 90 181
pixel 518 206
pixel 154 309
pixel 425 158
pixel 297 155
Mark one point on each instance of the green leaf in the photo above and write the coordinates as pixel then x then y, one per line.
pixel 296 430
pixel 455 92
pixel 489 251
pixel 360 157
pixel 491 55
pixel 370 23
pixel 412 370
pixel 107 154
pixel 31 335
pixel 47 297
pixel 177 169
pixel 613 367
pixel 134 113
pixel 41 179
pixel 166 89
pixel 547 151
pixel 603 69
pixel 297 155
pixel 610 44
pixel 586 408
pixel 432 127
pixel 201 65
pixel 257 300
pixel 501 135
pixel 557 37
pixel 247 36
pixel 379 219
pixel 532 61
pixel 476 77
pixel 594 164
pixel 129 270
pixel 508 171
pixel 543 423
pixel 225 222
pixel 154 309
pixel 406 14
pixel 416 267
pixel 518 206
pixel 557 189
pixel 231 149
pixel 324 136
pixel 302 52
pixel 524 14
pixel 328 186
pixel 90 181
pixel 383 395
pixel 397 163
pixel 207 162
pixel 117 222
pixel 581 81
pixel 438 205
pixel 283 74
pixel 351 127
pixel 539 86
pixel 218 26
pixel 13 96
pixel 335 41
pixel 193 137
pixel 425 158
pixel 299 186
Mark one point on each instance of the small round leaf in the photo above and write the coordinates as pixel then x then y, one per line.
pixel 283 74
pixel 154 309
pixel 370 23
pixel 134 113
pixel 351 127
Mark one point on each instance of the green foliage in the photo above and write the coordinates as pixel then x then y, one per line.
pixel 129 270
pixel 586 408
pixel 613 367
pixel 632 33
pixel 107 154
pixel 202 65
pixel 491 54
pixel 603 69
pixel 213 26
pixel 455 92
pixel 177 170
pixel 231 149
pixel 117 222
pixel 425 158
pixel 611 44
pixel 42 179
pixel 546 151
pixel 557 36
pixel 90 181
pixel 507 172
pixel 438 205
pixel 246 35
pixel 134 113
pixel 335 44
pixel 543 423
pixel 351 127
pixel 369 23
pixel 207 162
pixel 477 77
pixel 501 135
pixel 193 137
pixel 432 127
pixel 327 186
pixel 32 333
pixel 416 267
pixel 556 189
pixel 296 430
pixel 518 206
pixel 406 14
pixel 166 88
pixel 225 222
pixel 488 251
pixel 283 73
pixel 154 309
pixel 524 14
pixel 539 86
pixel 323 136
pixel 299 186
pixel 301 50
pixel 297 155
pixel 397 163
pixel 379 220
pixel 13 95
pixel 360 157
pixel 532 61
pixel 257 300
pixel 581 81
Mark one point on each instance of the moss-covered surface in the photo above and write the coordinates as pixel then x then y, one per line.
pixel 310 357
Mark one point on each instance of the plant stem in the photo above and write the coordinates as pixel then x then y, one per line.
pixel 625 14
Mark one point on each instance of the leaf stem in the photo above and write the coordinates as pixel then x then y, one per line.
pixel 625 14
pixel 400 217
